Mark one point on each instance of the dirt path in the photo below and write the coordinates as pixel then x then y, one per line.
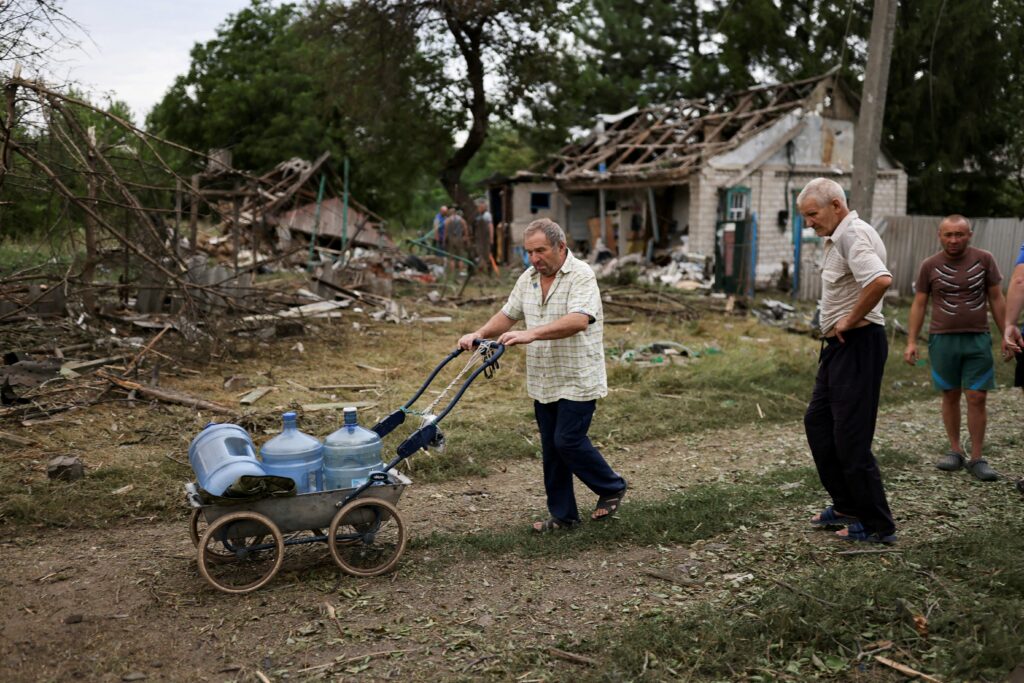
pixel 127 603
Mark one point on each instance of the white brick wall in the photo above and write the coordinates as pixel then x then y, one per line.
pixel 769 194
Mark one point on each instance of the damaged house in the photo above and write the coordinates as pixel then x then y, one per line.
pixel 718 176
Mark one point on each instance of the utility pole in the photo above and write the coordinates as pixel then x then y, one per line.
pixel 868 135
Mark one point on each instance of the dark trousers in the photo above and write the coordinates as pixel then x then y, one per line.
pixel 567 451
pixel 840 425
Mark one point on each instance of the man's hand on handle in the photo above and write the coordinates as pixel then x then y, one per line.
pixel 517 337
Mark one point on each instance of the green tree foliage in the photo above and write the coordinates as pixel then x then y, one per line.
pixel 443 72
pixel 245 91
pixel 955 70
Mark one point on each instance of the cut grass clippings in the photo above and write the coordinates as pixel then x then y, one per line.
pixel 821 622
pixel 682 518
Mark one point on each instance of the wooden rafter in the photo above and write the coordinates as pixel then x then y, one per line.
pixel 670 140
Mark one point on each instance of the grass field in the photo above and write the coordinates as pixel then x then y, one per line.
pixel 758 600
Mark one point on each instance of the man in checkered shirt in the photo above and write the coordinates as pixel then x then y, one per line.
pixel 565 375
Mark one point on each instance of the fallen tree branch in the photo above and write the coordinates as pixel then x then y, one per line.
pixel 906 670
pixel 571 657
pixel 166 395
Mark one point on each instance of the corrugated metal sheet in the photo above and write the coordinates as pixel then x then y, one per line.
pixel 911 239
pixel 332 219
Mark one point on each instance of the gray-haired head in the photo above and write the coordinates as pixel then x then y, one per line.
pixel 822 191
pixel 552 230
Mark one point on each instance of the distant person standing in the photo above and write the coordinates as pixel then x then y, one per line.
pixel 483 233
pixel 840 418
pixel 439 219
pixel 456 234
pixel 963 282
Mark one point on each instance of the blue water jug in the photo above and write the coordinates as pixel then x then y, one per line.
pixel 351 454
pixel 220 454
pixel 295 455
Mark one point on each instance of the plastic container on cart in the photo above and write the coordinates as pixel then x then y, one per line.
pixel 351 454
pixel 220 454
pixel 295 455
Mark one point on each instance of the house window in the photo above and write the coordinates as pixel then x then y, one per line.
pixel 539 200
pixel 734 204
pixel 739 203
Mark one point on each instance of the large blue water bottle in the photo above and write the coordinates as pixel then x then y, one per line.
pixel 351 454
pixel 295 455
pixel 220 454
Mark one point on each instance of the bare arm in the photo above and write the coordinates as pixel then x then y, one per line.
pixel 566 326
pixel 1012 341
pixel 499 324
pixel 870 295
pixel 914 326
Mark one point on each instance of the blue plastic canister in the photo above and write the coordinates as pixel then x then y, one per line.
pixel 351 454
pixel 220 454
pixel 295 455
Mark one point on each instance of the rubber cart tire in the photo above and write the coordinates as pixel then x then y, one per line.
pixel 367 537
pixel 240 552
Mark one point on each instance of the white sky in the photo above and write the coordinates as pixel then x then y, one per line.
pixel 135 48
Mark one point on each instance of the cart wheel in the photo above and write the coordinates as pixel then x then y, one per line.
pixel 367 537
pixel 196 528
pixel 194 532
pixel 240 552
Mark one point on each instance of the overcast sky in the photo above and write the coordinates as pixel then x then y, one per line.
pixel 135 48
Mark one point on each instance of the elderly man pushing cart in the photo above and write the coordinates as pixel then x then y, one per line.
pixel 560 302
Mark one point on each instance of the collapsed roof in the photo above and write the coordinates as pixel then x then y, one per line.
pixel 667 142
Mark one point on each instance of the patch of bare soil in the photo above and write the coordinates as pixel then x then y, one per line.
pixel 127 603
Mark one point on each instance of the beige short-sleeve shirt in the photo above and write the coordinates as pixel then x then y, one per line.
pixel 571 368
pixel 854 257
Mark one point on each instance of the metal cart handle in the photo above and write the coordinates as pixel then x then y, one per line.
pixel 389 423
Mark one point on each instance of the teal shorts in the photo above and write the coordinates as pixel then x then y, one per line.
pixel 962 361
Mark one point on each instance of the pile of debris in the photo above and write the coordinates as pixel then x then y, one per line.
pixel 780 314
pixel 659 354
pixel 678 268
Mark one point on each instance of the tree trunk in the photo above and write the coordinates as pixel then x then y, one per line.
pixel 468 35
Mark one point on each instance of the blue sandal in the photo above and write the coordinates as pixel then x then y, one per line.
pixel 857 532
pixel 829 517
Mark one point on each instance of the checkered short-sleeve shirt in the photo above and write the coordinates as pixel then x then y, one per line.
pixel 570 368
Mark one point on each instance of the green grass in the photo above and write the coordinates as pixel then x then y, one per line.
pixel 761 374
pixel 971 589
pixel 156 490
pixel 682 518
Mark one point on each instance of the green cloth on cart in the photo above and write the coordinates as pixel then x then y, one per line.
pixel 248 488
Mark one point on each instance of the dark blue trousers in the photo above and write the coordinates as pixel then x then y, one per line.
pixel 567 451
pixel 840 425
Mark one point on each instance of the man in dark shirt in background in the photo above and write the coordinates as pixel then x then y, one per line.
pixel 963 283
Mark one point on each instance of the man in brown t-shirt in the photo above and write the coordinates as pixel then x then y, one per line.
pixel 963 282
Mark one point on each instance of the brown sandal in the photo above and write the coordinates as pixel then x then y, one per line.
pixel 610 504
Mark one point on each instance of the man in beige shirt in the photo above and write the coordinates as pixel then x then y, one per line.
pixel 565 375
pixel 840 418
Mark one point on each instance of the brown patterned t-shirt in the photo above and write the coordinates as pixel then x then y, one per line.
pixel 959 290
